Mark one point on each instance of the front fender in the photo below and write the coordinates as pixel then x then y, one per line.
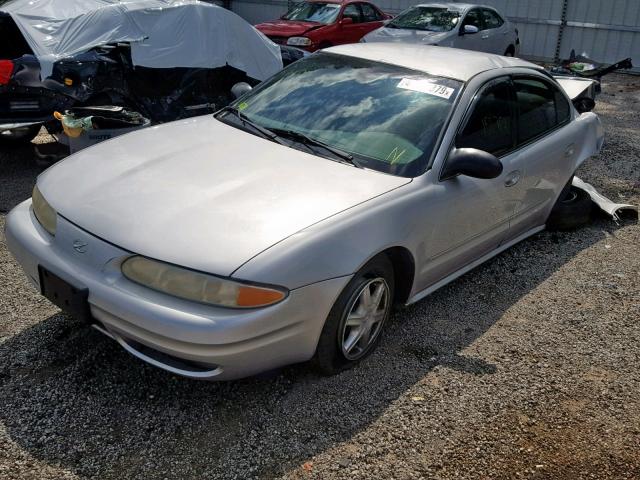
pixel 342 244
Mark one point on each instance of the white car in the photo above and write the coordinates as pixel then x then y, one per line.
pixel 284 227
pixel 458 25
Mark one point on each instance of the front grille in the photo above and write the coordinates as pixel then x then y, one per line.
pixel 24 105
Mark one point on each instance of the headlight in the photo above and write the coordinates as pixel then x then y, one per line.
pixel 198 287
pixel 43 211
pixel 299 41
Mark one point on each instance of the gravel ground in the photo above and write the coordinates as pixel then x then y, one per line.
pixel 527 367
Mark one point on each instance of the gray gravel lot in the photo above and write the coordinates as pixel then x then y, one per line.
pixel 527 367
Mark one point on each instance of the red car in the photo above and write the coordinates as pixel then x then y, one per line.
pixel 316 24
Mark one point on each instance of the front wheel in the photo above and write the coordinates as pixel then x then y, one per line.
pixel 355 323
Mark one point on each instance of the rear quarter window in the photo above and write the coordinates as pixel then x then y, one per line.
pixel 541 108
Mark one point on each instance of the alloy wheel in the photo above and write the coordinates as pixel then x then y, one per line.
pixel 365 317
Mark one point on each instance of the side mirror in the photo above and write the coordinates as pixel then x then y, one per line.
pixel 468 29
pixel 240 88
pixel 346 21
pixel 472 163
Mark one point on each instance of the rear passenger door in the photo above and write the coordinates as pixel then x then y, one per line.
pixel 372 19
pixel 546 149
pixel 494 34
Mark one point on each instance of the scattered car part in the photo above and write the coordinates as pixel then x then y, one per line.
pixel 87 126
pixel 218 207
pixel 609 207
pixel 583 66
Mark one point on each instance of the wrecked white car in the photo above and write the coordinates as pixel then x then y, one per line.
pixel 165 59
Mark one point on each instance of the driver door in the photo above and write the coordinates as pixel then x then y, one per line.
pixel 471 215
pixel 471 41
pixel 351 32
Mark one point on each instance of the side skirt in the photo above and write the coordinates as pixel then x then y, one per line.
pixel 450 278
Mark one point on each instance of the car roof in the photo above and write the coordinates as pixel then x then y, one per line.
pixel 339 2
pixel 461 7
pixel 441 61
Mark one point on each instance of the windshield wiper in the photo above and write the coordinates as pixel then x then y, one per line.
pixel 245 121
pixel 307 140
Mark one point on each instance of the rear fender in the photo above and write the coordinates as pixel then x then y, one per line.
pixel 592 137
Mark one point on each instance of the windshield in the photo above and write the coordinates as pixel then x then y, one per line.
pixel 387 117
pixel 433 19
pixel 314 12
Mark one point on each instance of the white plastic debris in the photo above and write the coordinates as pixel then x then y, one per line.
pixel 601 201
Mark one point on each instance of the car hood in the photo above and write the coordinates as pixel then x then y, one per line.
pixel 287 28
pixel 385 34
pixel 203 194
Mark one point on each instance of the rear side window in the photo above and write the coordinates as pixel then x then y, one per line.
pixel 490 125
pixel 541 108
pixel 369 13
pixel 491 19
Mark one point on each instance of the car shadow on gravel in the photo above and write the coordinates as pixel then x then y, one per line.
pixel 72 398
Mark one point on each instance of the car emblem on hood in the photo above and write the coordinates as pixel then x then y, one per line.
pixel 80 246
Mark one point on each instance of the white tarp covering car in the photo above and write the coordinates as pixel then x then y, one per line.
pixel 162 33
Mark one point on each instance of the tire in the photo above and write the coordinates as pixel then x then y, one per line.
pixel 572 210
pixel 20 136
pixel 342 345
pixel 510 52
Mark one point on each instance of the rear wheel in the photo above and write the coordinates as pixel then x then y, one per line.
pixel 510 52
pixel 354 325
pixel 572 210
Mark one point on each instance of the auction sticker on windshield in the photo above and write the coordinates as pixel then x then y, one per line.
pixel 426 86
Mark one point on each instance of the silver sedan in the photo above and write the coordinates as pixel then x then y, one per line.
pixel 285 227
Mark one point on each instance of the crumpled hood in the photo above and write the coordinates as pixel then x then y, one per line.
pixel 202 194
pixel 287 28
pixel 385 34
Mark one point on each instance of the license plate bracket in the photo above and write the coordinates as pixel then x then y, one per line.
pixel 70 299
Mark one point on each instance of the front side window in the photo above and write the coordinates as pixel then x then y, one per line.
pixel 352 11
pixel 369 13
pixel 388 117
pixel 491 19
pixel 490 125
pixel 433 19
pixel 541 107
pixel 473 18
pixel 317 12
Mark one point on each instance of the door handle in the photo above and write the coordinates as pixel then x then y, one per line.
pixel 484 37
pixel 570 150
pixel 512 178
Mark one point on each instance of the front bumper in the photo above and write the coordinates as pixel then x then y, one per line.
pixel 190 339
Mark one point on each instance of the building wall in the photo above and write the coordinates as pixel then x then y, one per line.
pixel 606 30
